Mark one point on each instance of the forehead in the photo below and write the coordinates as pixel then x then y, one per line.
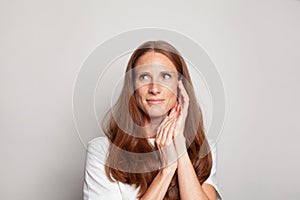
pixel 154 59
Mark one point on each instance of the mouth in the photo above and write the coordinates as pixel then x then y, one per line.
pixel 155 101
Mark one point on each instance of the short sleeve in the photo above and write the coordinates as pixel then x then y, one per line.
pixel 212 179
pixel 97 186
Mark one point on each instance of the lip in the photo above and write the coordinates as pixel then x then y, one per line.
pixel 155 101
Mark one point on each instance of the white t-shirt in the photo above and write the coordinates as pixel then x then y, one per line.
pixel 97 186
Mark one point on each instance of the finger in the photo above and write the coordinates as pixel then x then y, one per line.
pixel 180 105
pixel 183 92
pixel 171 136
pixel 166 132
pixel 172 111
pixel 182 88
pixel 157 140
pixel 176 112
pixel 173 115
pixel 178 108
pixel 179 98
pixel 162 123
pixel 160 132
pixel 165 120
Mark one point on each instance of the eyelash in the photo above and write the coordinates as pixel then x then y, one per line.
pixel 167 75
pixel 141 77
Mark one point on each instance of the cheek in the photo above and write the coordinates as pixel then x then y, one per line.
pixel 172 96
pixel 142 91
pixel 173 90
pixel 171 86
pixel 140 94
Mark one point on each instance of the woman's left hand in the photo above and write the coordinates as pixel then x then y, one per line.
pixel 181 110
pixel 172 128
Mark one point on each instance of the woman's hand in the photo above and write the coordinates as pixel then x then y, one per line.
pixel 181 111
pixel 168 156
pixel 172 128
pixel 164 143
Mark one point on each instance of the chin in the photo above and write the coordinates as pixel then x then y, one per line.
pixel 156 111
pixel 157 115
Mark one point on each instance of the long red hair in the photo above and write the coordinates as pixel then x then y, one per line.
pixel 121 125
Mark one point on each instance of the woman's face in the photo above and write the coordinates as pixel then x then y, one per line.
pixel 156 81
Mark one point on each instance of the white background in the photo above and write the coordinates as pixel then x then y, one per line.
pixel 255 46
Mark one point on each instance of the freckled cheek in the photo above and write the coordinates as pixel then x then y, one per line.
pixel 171 89
pixel 172 98
pixel 140 94
pixel 171 85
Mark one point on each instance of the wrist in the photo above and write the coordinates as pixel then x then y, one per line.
pixel 169 170
pixel 183 157
pixel 180 145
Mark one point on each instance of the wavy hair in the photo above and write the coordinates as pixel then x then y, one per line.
pixel 121 125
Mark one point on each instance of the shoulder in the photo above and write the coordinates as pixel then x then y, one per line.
pixel 96 183
pixel 97 148
pixel 213 148
pixel 98 142
pixel 212 179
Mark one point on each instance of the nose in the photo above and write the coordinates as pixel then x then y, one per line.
pixel 154 88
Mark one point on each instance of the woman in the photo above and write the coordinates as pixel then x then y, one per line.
pixel 155 146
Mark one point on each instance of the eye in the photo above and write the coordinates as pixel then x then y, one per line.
pixel 144 77
pixel 166 76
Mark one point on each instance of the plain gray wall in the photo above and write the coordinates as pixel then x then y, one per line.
pixel 254 44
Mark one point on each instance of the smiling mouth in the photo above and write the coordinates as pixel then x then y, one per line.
pixel 155 101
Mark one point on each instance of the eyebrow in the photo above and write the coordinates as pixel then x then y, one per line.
pixel 163 72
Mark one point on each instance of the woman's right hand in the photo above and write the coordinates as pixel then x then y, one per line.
pixel 164 143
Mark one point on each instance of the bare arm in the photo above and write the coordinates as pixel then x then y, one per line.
pixel 160 184
pixel 189 185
